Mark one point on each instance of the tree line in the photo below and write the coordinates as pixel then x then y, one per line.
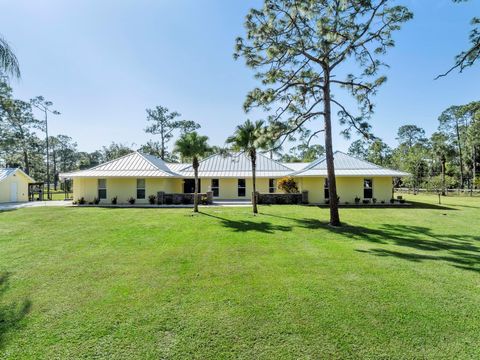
pixel 449 158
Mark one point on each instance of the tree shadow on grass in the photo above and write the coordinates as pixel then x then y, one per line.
pixel 10 314
pixel 430 206
pixel 460 250
pixel 247 225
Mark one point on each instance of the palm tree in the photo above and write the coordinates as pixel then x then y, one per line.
pixel 249 137
pixel 8 60
pixel 193 146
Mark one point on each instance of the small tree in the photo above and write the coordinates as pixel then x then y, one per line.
pixel 249 137
pixel 436 184
pixel 193 146
pixel 288 184
pixel 164 123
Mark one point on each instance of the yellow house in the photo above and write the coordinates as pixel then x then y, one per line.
pixel 355 179
pixel 14 185
pixel 228 177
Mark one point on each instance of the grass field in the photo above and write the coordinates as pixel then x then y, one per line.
pixel 161 283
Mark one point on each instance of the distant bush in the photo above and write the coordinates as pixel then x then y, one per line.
pixel 131 200
pixel 374 200
pixel 114 200
pixel 288 185
pixel 357 200
pixel 366 201
pixel 392 201
pixel 151 199
pixel 81 201
pixel 96 201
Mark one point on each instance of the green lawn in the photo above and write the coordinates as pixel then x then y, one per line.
pixel 161 283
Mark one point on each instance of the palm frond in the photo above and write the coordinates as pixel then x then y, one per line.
pixel 8 60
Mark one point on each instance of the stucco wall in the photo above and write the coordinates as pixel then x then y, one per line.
pixel 347 188
pixel 22 187
pixel 123 188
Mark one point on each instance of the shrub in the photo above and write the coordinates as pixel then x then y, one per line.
pixel 402 201
pixel 392 201
pixel 327 201
pixel 96 201
pixel 374 200
pixel 280 200
pixel 114 200
pixel 90 203
pixel 366 201
pixel 347 203
pixel 186 200
pixel 131 200
pixel 288 185
pixel 151 199
pixel 168 200
pixel 81 201
pixel 382 202
pixel 357 200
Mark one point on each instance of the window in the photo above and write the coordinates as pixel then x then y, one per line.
pixel 241 187
pixel 140 188
pixel 102 188
pixel 272 186
pixel 326 191
pixel 367 188
pixel 215 187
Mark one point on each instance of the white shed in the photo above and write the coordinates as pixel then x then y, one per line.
pixel 14 185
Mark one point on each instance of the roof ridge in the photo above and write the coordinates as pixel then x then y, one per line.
pixel 275 161
pixel 359 159
pixel 110 161
pixel 145 156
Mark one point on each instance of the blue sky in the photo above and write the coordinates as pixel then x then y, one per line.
pixel 103 62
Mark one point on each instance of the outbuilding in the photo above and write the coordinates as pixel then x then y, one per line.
pixel 14 185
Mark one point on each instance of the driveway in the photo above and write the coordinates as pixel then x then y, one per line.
pixel 13 206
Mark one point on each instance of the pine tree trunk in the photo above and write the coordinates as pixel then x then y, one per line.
pixel 443 178
pixel 253 156
pixel 474 166
pixel 195 196
pixel 460 154
pixel 55 178
pixel 25 160
pixel 332 185
pixel 48 156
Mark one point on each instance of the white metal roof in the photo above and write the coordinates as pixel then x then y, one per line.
pixel 6 172
pixel 135 164
pixel 176 167
pixel 237 165
pixel 296 166
pixel 346 165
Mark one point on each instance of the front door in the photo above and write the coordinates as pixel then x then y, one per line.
pixel 13 192
pixel 189 186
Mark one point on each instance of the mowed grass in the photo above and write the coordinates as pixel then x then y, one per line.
pixel 161 283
